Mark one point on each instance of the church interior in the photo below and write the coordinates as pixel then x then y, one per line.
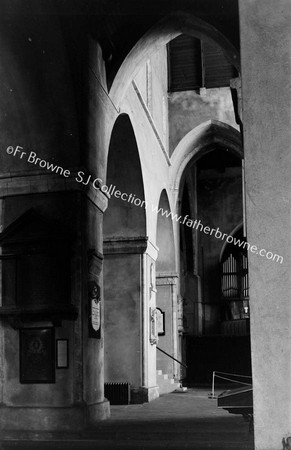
pixel 145 206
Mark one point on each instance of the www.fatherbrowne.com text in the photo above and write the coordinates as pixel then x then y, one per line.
pixel 111 191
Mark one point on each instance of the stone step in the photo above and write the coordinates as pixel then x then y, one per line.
pixel 165 383
pixel 163 376
pixel 167 388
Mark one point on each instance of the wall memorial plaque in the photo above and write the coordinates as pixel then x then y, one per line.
pixel 94 310
pixel 37 355
pixel 153 326
pixel 160 322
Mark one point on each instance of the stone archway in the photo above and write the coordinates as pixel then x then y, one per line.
pixel 200 141
pixel 128 355
pixel 159 35
pixel 212 196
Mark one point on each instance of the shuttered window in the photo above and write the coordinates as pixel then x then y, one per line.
pixel 194 64
pixel 185 65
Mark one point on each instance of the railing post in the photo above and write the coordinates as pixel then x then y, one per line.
pixel 213 378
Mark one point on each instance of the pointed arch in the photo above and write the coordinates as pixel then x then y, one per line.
pixel 225 243
pixel 200 141
pixel 123 246
pixel 166 296
pixel 165 238
pixel 159 35
pixel 125 214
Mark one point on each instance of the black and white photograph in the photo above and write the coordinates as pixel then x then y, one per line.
pixel 145 181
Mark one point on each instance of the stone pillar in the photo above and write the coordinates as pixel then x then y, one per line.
pixel 73 398
pixel 52 216
pixel 265 58
pixel 97 407
pixel 130 356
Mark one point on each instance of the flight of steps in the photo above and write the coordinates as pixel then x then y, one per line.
pixel 165 383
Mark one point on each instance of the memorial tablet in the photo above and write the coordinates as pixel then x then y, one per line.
pixel 37 355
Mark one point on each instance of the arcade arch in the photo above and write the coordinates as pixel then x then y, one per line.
pixel 209 177
pixel 124 246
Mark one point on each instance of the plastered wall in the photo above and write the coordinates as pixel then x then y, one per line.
pixel 265 54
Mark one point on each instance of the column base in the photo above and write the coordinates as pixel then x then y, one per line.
pixel 50 419
pixel 97 412
pixel 144 394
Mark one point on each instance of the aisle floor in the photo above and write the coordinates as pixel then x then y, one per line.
pixel 177 421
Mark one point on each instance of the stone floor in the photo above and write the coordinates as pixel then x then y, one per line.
pixel 174 421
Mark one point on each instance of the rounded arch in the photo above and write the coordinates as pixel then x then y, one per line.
pixel 125 215
pixel 159 35
pixel 200 141
pixel 165 238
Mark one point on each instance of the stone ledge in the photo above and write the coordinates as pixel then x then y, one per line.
pixel 97 412
pixel 115 245
pixel 40 183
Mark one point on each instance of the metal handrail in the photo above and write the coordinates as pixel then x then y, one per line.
pixel 170 356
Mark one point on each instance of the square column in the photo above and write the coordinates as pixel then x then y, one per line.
pixel 265 56
pixel 130 352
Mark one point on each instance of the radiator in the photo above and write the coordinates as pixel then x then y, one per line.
pixel 117 393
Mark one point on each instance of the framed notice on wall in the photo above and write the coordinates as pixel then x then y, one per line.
pixel 62 353
pixel 37 355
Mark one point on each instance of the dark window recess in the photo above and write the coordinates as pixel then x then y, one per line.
pixel 218 71
pixel 193 64
pixel 185 67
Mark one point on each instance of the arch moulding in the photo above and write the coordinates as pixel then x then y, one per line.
pixel 159 35
pixel 200 141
